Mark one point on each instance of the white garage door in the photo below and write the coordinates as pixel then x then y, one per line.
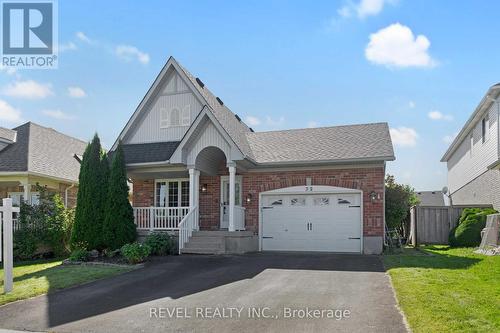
pixel 311 222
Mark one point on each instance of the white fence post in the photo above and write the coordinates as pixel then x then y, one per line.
pixel 151 218
pixel 7 212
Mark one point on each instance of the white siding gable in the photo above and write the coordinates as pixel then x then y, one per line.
pixel 168 116
pixel 473 156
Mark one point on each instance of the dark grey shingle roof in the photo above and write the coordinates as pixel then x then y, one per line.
pixel 149 152
pixel 236 129
pixel 337 143
pixel 43 150
pixel 7 134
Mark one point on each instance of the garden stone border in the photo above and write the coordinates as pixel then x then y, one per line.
pixel 99 263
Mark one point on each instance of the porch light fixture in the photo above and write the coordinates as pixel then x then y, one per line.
pixel 249 197
pixel 374 196
pixel 204 187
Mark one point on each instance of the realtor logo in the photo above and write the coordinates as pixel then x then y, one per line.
pixel 29 34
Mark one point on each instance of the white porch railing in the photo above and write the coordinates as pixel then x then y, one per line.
pixel 159 218
pixel 186 227
pixel 239 218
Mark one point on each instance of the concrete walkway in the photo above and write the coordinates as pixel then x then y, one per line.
pixel 262 292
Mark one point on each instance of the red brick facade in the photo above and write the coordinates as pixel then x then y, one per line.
pixel 366 179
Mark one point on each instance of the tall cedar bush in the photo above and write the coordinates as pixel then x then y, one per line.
pixel 92 191
pixel 119 228
pixel 398 200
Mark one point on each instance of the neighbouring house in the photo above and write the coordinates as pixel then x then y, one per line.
pixel 432 198
pixel 473 158
pixel 31 154
pixel 199 171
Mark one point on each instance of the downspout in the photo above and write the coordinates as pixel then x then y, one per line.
pixel 66 195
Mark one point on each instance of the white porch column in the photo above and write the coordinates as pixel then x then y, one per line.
pixel 192 173
pixel 232 181
pixel 197 196
pixel 27 193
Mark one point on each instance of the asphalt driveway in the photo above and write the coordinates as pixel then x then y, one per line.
pixel 262 292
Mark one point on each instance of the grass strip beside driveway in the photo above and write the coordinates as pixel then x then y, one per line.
pixel 34 278
pixel 447 290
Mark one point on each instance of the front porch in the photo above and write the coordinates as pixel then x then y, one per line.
pixel 205 196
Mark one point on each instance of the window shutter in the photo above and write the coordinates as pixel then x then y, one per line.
pixel 186 115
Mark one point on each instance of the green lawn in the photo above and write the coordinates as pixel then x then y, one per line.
pixel 450 290
pixel 43 276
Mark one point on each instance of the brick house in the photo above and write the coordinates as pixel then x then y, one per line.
pixel 31 154
pixel 200 172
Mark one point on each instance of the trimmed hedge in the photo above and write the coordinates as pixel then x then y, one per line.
pixel 161 243
pixel 468 231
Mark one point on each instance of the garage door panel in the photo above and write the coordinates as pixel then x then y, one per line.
pixel 325 222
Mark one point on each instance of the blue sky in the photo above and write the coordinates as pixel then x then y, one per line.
pixel 421 66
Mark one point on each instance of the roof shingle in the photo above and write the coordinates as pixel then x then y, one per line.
pixel 149 152
pixel 43 150
pixel 337 143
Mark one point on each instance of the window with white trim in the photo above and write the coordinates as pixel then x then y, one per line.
pixel 175 117
pixel 298 201
pixel 172 193
pixel 321 201
pixel 485 128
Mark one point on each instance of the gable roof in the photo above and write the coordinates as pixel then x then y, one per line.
pixel 43 151
pixel 7 135
pixel 366 142
pixel 332 144
pixel 493 92
pixel 226 118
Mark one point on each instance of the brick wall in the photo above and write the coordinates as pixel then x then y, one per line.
pixel 143 192
pixel 365 179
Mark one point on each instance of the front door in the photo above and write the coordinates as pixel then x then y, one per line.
pixel 224 199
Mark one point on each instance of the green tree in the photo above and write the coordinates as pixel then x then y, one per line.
pixel 119 228
pixel 93 183
pixel 398 200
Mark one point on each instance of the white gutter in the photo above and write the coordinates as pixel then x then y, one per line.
pixel 36 174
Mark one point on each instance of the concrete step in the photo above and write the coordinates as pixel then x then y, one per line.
pixel 207 233
pixel 218 246
pixel 200 250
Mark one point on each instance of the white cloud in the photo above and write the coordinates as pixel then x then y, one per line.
pixel 312 124
pixel 363 8
pixel 129 53
pixel 345 11
pixel 396 46
pixel 8 113
pixel 70 46
pixel 404 136
pixel 369 8
pixel 57 114
pixel 436 115
pixel 411 104
pixel 268 123
pixel 275 122
pixel 76 92
pixel 83 37
pixel 252 121
pixel 28 89
pixel 448 139
pixel 8 70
